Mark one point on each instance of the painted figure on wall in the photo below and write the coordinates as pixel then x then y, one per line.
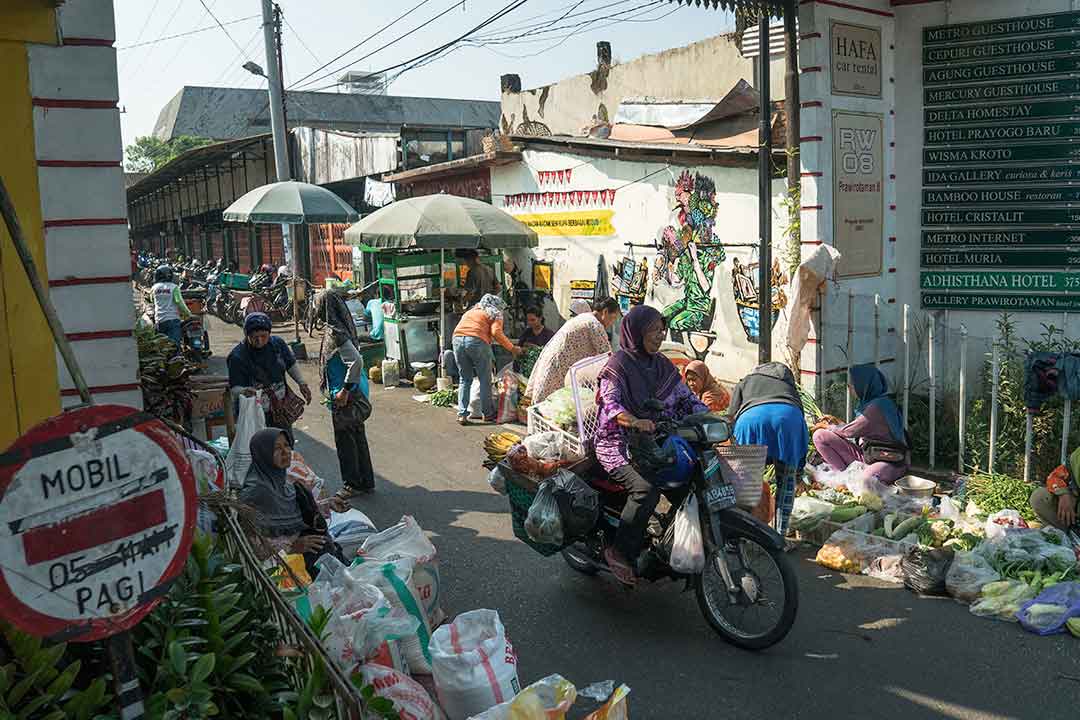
pixel 744 286
pixel 689 253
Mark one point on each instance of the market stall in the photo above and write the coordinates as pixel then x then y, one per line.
pixel 407 234
pixel 410 284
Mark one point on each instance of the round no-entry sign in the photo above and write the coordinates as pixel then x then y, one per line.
pixel 97 514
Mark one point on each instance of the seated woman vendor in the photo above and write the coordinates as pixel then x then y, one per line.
pixel 288 516
pixel 632 377
pixel 535 332
pixel 1056 504
pixel 875 437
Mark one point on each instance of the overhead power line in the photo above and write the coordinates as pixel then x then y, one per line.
pixel 506 9
pixel 382 47
pixel 297 36
pixel 227 34
pixel 164 38
pixel 357 45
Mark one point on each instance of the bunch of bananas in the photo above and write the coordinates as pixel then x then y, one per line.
pixel 496 445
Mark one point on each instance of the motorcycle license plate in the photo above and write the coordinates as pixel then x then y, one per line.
pixel 720 496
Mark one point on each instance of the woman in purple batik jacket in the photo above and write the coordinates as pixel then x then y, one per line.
pixel 634 375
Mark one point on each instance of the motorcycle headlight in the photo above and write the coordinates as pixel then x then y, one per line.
pixel 717 432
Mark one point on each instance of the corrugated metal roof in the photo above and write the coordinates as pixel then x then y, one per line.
pixel 192 159
pixel 227 113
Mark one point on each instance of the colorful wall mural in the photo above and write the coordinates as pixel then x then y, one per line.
pixel 744 286
pixel 689 253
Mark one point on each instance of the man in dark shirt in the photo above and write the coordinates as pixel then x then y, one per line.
pixel 481 279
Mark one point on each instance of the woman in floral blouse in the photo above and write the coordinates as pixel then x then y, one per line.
pixel 582 336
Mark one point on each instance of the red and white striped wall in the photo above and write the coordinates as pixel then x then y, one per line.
pixel 821 355
pixel 79 154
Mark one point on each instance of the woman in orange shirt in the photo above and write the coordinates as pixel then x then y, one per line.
pixel 473 335
pixel 708 389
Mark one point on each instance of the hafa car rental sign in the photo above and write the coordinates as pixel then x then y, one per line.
pixel 97 514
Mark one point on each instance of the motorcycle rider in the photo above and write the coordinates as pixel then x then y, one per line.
pixel 170 310
pixel 633 376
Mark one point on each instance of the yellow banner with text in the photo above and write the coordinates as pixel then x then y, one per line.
pixel 581 222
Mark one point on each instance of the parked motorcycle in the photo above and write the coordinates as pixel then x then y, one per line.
pixel 747 590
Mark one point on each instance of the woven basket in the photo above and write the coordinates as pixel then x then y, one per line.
pixel 521 498
pixel 743 466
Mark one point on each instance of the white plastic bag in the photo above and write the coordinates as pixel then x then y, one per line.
pixel 1002 519
pixel 545 446
pixel 809 512
pixel 688 550
pixel 544 522
pixel 250 421
pixel 410 698
pixel 473 664
pixel 350 529
pixel 967 575
pixel 407 539
pixel 497 479
pixel 395 579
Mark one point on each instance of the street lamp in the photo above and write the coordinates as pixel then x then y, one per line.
pixel 254 68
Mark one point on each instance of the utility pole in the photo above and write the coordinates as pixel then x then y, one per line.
pixel 272 44
pixel 277 108
pixel 764 196
pixel 281 82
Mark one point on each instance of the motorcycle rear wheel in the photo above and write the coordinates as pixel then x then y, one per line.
pixel 726 618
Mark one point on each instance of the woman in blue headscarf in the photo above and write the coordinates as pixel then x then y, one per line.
pixel 876 436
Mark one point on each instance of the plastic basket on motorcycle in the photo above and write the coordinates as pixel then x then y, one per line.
pixel 584 381
pixel 743 466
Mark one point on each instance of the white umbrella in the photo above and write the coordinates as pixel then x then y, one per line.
pixel 290 203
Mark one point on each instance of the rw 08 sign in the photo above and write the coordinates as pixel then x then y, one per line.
pixel 97 513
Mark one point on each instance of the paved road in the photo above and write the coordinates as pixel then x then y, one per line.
pixel 859 648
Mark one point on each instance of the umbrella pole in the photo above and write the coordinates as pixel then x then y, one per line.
pixel 442 307
pixel 295 286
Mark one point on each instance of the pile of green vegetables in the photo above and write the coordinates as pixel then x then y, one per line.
pixel 443 398
pixel 992 493
pixel 928 532
pixel 525 362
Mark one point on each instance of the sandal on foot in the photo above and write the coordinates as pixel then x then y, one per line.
pixel 622 572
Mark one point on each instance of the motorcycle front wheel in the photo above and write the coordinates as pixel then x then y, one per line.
pixel 577 557
pixel 762 610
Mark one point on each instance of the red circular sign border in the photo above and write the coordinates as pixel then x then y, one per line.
pixel 31 621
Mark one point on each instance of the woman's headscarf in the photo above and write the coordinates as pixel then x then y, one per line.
pixel 640 376
pixel 330 306
pixel 579 307
pixel 872 389
pixel 493 305
pixel 268 489
pixel 257 321
pixel 713 394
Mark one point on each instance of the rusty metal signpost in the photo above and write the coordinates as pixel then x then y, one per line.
pixel 97 515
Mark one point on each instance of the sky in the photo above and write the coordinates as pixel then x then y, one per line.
pixel 155 69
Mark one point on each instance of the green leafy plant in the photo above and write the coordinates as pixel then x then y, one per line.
pixel 39 679
pixel 210 647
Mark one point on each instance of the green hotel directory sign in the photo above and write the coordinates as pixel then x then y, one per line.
pixel 1001 165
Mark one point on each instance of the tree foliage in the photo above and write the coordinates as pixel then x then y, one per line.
pixel 149 153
